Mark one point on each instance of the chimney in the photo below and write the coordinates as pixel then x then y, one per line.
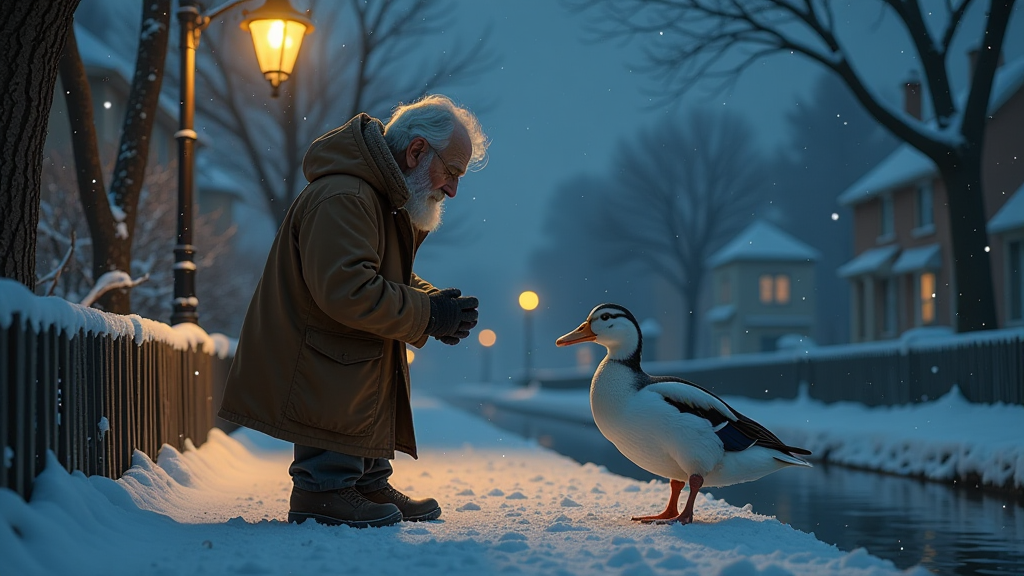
pixel 912 95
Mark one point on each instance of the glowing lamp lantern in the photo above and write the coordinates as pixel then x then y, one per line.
pixel 528 300
pixel 277 30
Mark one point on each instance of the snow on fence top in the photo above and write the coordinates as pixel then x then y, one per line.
pixel 41 312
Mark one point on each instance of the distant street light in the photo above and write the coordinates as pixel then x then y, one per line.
pixel 528 301
pixel 487 338
pixel 277 30
pixel 409 356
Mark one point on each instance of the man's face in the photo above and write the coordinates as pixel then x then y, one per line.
pixel 426 202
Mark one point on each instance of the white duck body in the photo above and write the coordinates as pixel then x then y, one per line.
pixel 656 436
pixel 668 426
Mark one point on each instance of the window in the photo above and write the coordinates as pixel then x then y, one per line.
pixel 887 217
pixel 724 346
pixel 765 286
pixel 888 289
pixel 782 289
pixel 774 289
pixel 724 291
pixel 927 286
pixel 925 213
pixel 1015 275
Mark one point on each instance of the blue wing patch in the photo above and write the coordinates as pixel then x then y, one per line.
pixel 733 439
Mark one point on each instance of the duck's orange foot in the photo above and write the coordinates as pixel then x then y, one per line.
pixel 658 518
pixel 680 519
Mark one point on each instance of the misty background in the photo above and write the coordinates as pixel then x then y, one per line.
pixel 579 133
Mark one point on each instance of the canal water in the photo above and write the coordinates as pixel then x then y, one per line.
pixel 944 528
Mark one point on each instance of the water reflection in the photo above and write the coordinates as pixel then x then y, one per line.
pixel 944 529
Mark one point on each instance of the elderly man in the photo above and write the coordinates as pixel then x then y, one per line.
pixel 321 359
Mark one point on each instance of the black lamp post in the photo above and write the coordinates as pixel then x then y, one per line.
pixel 528 301
pixel 277 30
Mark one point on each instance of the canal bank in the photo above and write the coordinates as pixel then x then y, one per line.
pixel 904 519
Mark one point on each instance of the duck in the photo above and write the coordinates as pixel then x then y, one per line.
pixel 669 426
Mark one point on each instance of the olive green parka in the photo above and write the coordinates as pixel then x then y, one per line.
pixel 321 357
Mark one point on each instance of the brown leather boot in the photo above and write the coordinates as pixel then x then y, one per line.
pixel 412 510
pixel 341 507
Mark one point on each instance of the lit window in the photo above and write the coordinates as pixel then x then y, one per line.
pixel 887 221
pixel 766 288
pixel 782 289
pixel 927 297
pixel 925 213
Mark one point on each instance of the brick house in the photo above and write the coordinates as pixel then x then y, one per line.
pixel 902 274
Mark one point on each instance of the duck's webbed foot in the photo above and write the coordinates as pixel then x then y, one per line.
pixel 671 510
pixel 686 516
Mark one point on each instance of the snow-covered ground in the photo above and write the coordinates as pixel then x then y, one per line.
pixel 948 438
pixel 509 506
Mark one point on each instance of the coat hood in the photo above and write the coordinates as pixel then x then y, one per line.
pixel 358 149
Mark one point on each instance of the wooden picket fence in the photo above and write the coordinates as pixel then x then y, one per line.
pixel 93 399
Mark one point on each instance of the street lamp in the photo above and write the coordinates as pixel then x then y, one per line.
pixel 277 30
pixel 487 338
pixel 528 301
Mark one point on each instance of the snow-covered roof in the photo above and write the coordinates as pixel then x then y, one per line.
pixel 1010 216
pixel 907 164
pixel 721 313
pixel 921 258
pixel 870 261
pixel 762 241
pixel 778 320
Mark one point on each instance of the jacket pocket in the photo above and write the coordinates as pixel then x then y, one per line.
pixel 337 383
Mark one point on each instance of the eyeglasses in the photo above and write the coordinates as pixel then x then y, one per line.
pixel 453 177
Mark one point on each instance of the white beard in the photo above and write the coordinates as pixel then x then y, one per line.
pixel 425 206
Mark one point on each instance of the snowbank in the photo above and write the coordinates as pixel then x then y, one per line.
pixel 41 312
pixel 509 506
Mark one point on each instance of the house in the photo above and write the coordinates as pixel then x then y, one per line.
pixel 901 276
pixel 763 283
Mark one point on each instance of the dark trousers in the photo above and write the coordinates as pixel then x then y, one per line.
pixel 317 470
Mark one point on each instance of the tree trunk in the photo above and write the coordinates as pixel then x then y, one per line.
pixel 972 267
pixel 691 293
pixel 32 38
pixel 111 238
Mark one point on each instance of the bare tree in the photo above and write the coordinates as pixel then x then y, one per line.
pixel 32 37
pixel 226 282
pixel 679 191
pixel 698 38
pixel 112 216
pixel 362 58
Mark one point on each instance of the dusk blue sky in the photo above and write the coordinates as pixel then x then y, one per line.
pixel 557 104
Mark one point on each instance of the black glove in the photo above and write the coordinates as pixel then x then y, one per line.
pixel 452 315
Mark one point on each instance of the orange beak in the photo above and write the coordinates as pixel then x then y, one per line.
pixel 581 334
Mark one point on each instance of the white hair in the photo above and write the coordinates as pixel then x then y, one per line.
pixel 433 117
